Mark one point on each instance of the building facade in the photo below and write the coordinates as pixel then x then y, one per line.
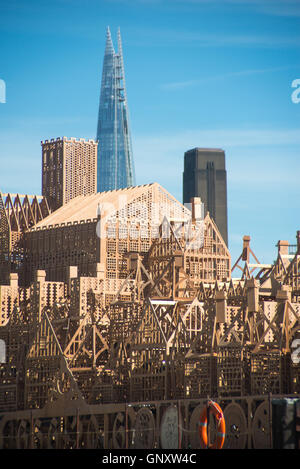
pixel 115 160
pixel 18 213
pixel 69 169
pixel 100 233
pixel 205 176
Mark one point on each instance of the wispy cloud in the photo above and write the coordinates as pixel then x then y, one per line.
pixel 217 137
pixel 166 152
pixel 185 84
pixel 172 37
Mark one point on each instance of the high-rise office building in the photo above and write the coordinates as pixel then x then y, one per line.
pixel 205 176
pixel 115 160
pixel 69 169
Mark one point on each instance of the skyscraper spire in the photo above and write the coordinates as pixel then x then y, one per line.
pixel 109 49
pixel 115 161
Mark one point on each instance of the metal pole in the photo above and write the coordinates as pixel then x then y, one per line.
pixel 208 433
pixel 31 445
pixel 270 420
pixel 77 428
pixel 126 426
pixel 178 425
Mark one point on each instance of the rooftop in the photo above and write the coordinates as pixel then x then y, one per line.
pixel 86 207
pixel 69 140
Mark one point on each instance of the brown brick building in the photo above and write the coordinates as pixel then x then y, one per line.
pixel 69 169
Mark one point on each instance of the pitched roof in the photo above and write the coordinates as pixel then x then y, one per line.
pixel 86 207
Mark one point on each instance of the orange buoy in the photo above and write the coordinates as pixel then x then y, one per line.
pixel 220 437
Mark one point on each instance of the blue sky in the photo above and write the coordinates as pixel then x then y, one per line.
pixel 206 73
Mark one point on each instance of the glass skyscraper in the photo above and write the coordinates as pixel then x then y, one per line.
pixel 115 167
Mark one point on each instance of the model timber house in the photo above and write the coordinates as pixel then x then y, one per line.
pixel 102 233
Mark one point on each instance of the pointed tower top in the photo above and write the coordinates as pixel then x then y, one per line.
pixel 119 42
pixel 115 169
pixel 109 49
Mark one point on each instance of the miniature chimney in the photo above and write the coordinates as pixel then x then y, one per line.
pixel 246 248
pixel 197 209
pixel 252 286
pixel 40 276
pixel 98 270
pixel 221 305
pixel 284 294
pixel 283 247
pixel 71 272
pixel 13 280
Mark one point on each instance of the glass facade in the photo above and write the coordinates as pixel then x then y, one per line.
pixel 115 167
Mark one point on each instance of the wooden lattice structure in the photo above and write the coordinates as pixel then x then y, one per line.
pixel 18 213
pixel 186 255
pixel 102 232
pixel 69 169
pixel 136 319
pixel 9 299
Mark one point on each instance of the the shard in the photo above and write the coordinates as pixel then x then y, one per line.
pixel 115 167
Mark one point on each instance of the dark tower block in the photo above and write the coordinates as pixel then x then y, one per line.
pixel 204 176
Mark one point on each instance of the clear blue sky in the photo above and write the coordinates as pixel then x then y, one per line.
pixel 207 73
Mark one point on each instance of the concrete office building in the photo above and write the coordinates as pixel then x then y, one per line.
pixel 204 176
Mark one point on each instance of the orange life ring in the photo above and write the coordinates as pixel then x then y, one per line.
pixel 217 412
